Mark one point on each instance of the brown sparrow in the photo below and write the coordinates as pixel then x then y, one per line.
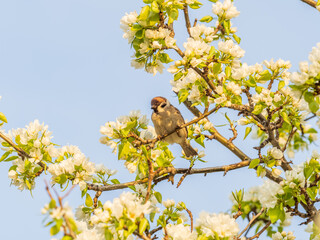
pixel 166 119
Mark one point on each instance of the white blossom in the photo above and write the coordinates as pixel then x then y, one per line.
pixel 221 224
pixel 226 9
pixel 276 153
pixel 234 88
pixel 231 48
pixel 196 47
pixel 168 203
pixel 180 232
pixel 267 193
pixel 126 22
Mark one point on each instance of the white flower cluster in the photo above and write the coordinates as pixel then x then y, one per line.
pixel 188 82
pixel 37 139
pixel 225 10
pixel 153 39
pixel 295 177
pixel 234 88
pixel 243 71
pixel 76 166
pixel 200 31
pixel 196 48
pixel 112 130
pixel 128 205
pixel 221 224
pixel 126 23
pixel 229 47
pixel 307 70
pixel 267 193
pixel 283 236
pixel 58 212
pixel 266 96
pixel 180 232
pixel 90 233
pixel 277 65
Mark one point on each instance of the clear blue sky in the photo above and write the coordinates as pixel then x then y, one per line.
pixel 66 64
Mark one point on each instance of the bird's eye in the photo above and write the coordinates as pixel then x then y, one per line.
pixel 163 105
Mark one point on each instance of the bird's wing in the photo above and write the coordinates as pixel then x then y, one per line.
pixel 180 120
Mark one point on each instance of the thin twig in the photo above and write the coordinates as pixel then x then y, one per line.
pixel 191 218
pixel 251 221
pixel 260 232
pixel 96 197
pixel 150 178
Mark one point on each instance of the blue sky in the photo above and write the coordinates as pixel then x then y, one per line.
pixel 66 64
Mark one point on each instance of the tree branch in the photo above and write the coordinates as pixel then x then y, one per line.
pixel 310 2
pixel 187 19
pixel 166 173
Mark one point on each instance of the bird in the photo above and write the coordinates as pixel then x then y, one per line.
pixel 166 119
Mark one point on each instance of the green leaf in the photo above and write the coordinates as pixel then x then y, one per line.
pixel 226 24
pixel 211 52
pixel 108 235
pixel 54 230
pixel 200 140
pixel 28 184
pixel 183 95
pixel 216 68
pixel 164 58
pixel 314 106
pixel 308 96
pixel 155 7
pixel 148 1
pixel 281 85
pixel 206 19
pixel 227 71
pixel 158 196
pixel 11 158
pixel 177 76
pixel 312 192
pixel 66 238
pixel 285 117
pixel 254 163
pixel 173 15
pixel 236 38
pixel 265 75
pixel 258 109
pixel 52 204
pixel 143 225
pixel 4 156
pixel 115 181
pixel 124 148
pixel 274 214
pixel 195 5
pixel 3 117
pixel 136 27
pixel 144 13
pixel 88 202
pixel 247 132
pixel 140 34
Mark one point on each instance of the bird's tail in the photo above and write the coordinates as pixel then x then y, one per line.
pixel 188 150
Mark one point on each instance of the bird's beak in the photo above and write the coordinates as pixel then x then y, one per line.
pixel 154 107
